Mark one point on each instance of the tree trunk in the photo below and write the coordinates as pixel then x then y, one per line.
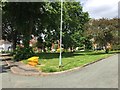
pixel 14 44
pixel 27 34
pixel 106 49
pixel 14 40
pixel 44 48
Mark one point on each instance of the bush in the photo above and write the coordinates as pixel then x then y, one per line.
pixel 6 52
pixel 23 53
pixel 116 47
pixel 3 51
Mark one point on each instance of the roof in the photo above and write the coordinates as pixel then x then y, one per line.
pixel 4 42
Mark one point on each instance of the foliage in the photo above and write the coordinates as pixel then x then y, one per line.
pixel 116 47
pixel 23 53
pixel 21 20
pixel 6 51
pixel 73 22
pixel 103 31
pixel 86 41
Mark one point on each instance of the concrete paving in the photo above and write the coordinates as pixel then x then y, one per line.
pixel 102 74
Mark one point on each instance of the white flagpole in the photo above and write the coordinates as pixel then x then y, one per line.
pixel 60 58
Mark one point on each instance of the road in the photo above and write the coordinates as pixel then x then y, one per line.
pixel 102 74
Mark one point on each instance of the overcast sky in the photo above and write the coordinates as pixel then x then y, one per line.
pixel 101 8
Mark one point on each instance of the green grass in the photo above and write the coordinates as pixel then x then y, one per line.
pixel 49 62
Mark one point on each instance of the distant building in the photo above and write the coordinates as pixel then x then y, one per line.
pixel 5 45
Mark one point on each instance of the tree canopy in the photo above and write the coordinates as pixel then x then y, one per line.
pixel 26 18
pixel 103 31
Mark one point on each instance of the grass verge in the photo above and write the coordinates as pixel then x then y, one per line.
pixel 49 62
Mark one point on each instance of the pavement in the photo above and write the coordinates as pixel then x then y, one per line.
pixel 23 69
pixel 102 74
pixel 19 67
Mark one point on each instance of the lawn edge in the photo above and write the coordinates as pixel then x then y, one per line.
pixel 76 68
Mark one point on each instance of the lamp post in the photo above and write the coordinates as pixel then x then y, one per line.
pixel 60 57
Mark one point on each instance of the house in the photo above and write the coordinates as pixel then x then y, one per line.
pixel 5 45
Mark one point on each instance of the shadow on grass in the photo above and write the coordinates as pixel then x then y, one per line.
pixel 56 55
pixel 69 54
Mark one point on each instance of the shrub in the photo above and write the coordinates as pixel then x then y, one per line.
pixel 116 47
pixel 23 53
pixel 6 51
pixel 2 51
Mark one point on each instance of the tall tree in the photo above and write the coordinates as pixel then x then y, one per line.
pixel 73 22
pixel 22 18
pixel 103 30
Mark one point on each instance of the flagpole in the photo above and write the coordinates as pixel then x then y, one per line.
pixel 60 57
